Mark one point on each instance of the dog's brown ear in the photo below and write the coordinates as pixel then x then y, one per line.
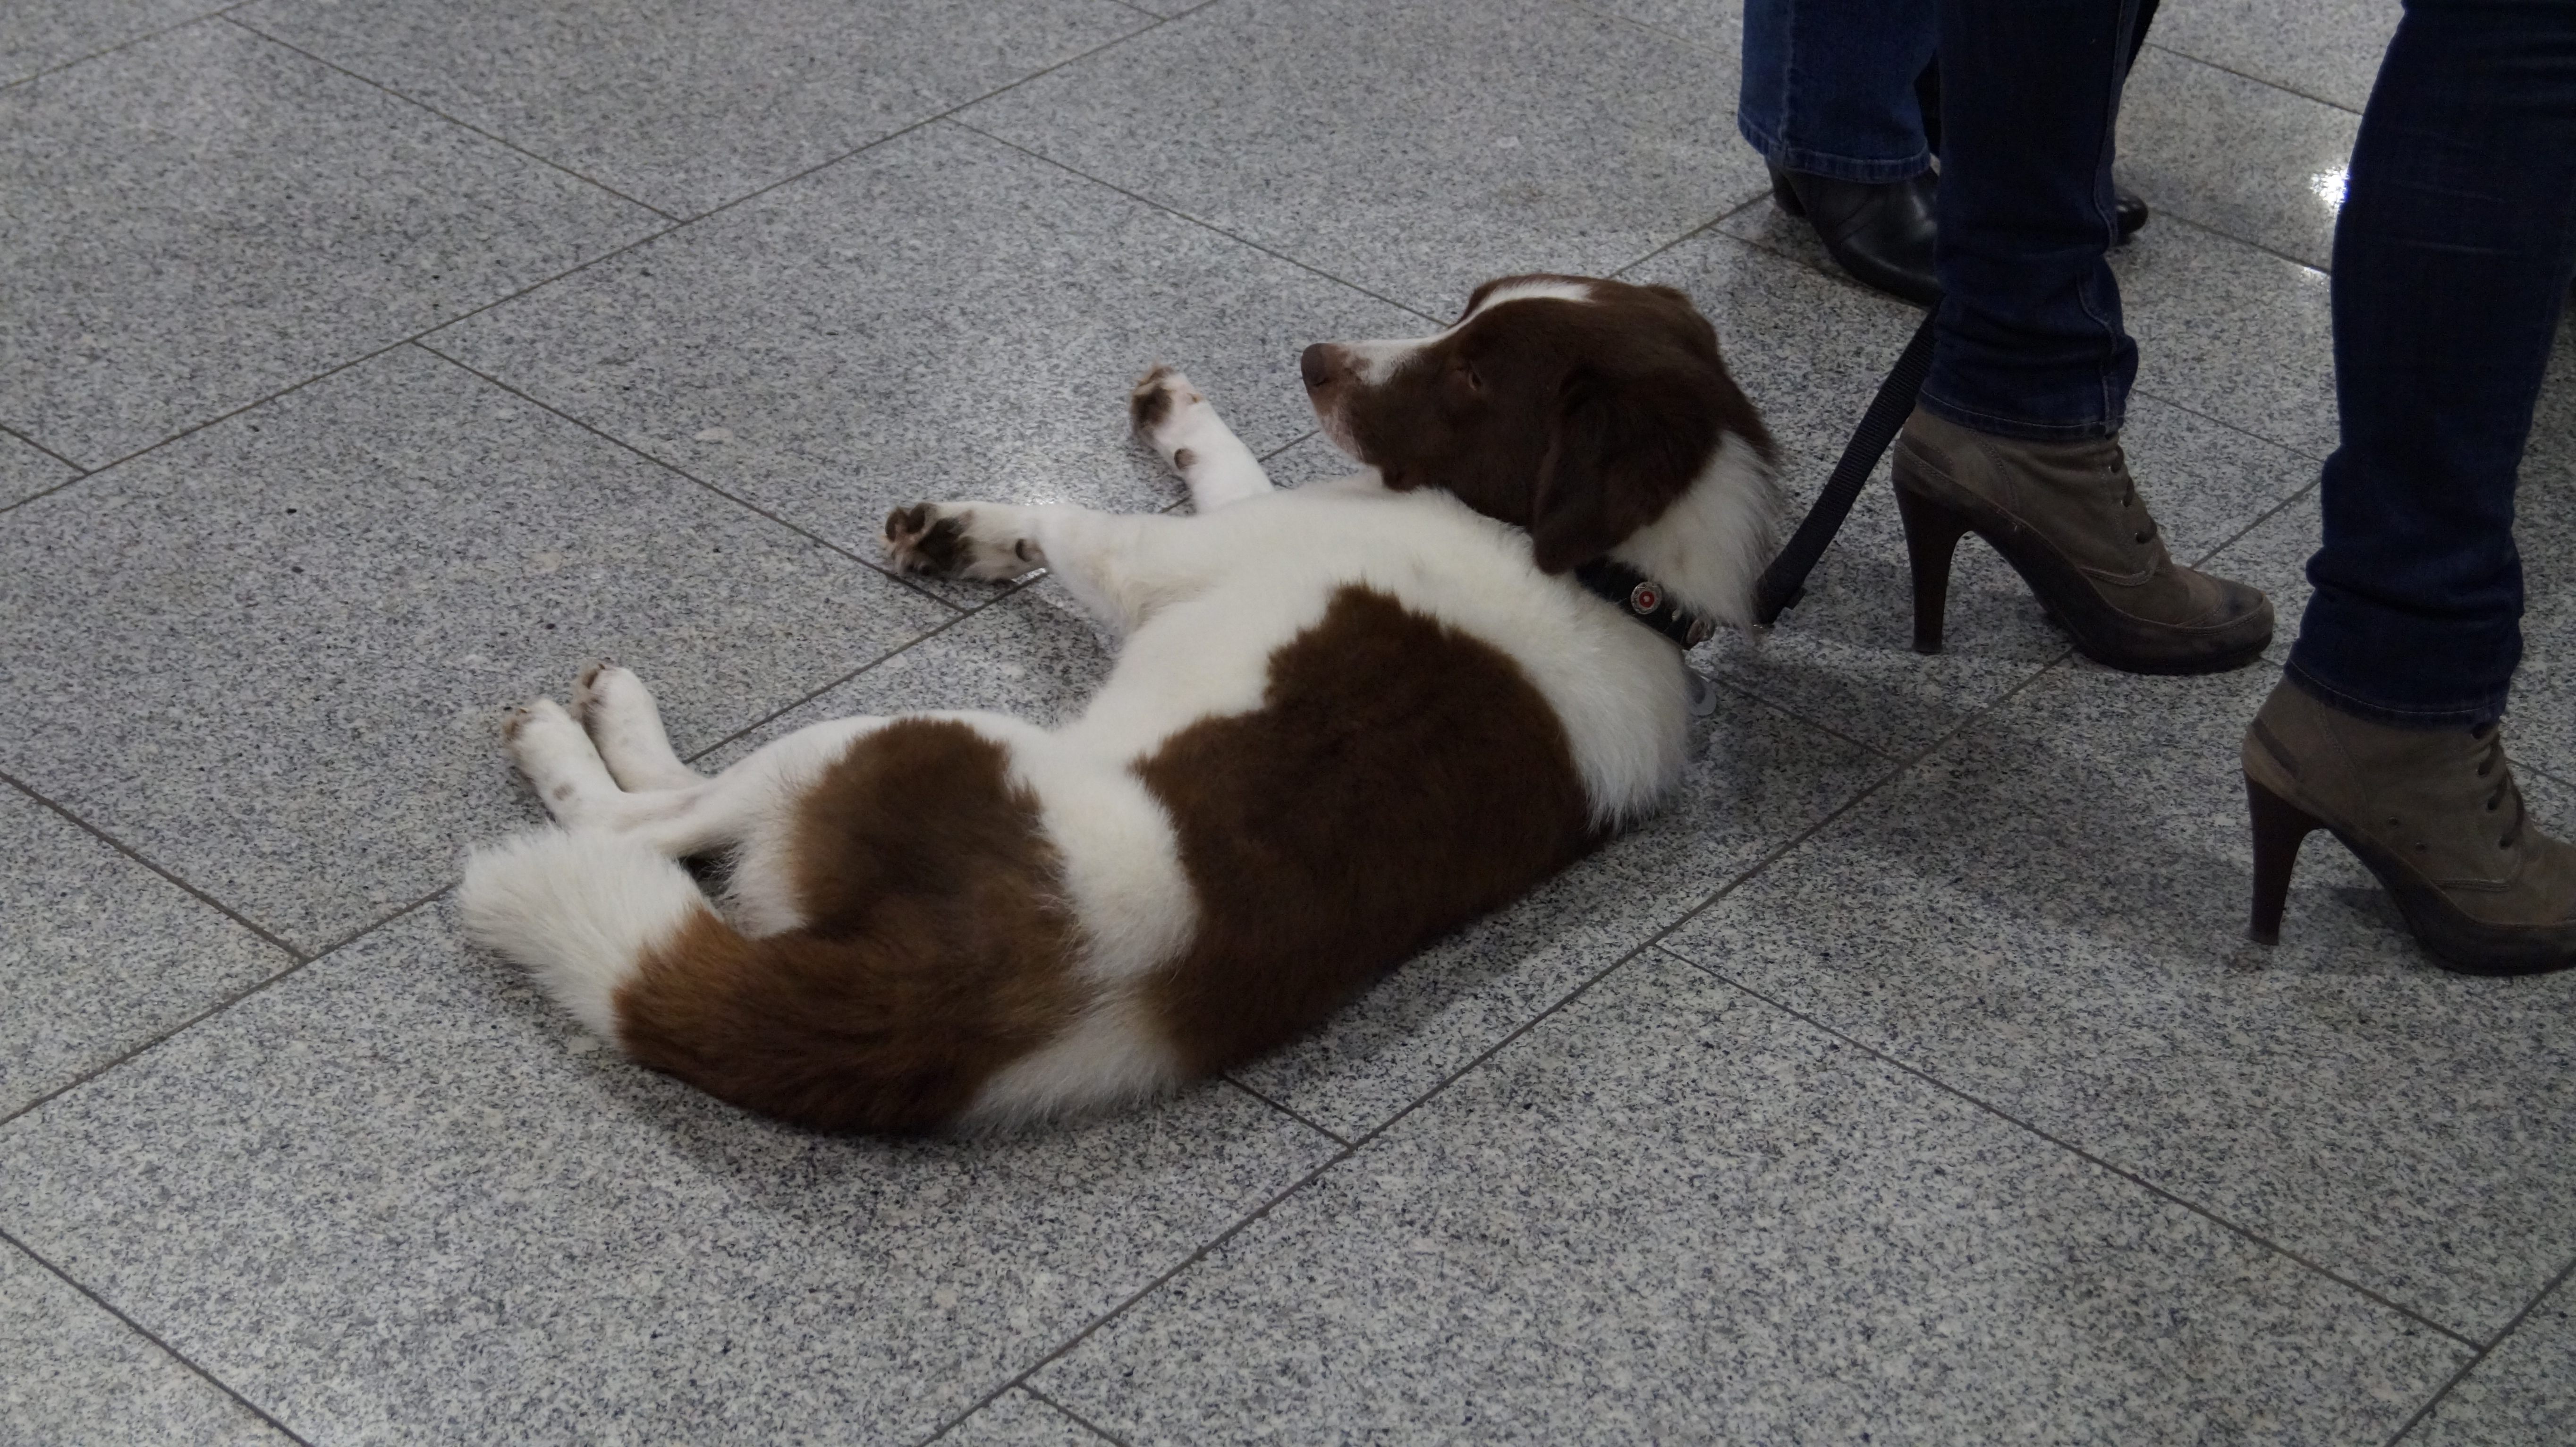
pixel 1620 450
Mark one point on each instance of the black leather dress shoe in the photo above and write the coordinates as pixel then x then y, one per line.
pixel 2128 210
pixel 1881 234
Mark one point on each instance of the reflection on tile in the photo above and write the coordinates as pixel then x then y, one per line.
pixel 25 471
pixel 1411 147
pixel 100 953
pixel 2049 916
pixel 2235 155
pixel 398 1196
pixel 2328 49
pixel 1673 1214
pixel 2522 1395
pixel 37 35
pixel 1755 781
pixel 70 1372
pixel 943 317
pixel 2232 333
pixel 1016 1419
pixel 272 657
pixel 210 217
pixel 685 107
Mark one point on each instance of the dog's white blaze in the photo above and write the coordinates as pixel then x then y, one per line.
pixel 1712 543
pixel 1375 361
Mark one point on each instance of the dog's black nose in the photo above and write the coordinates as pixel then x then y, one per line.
pixel 1315 364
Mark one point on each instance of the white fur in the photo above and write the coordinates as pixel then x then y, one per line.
pixel 581 911
pixel 1707 548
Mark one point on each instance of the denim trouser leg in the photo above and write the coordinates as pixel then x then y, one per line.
pixel 2030 343
pixel 1829 86
pixel 2451 264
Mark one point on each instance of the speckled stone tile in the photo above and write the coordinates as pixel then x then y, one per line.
pixel 1673 1214
pixel 943 317
pixel 205 217
pixel 273 656
pixel 2232 333
pixel 100 953
pixel 2049 915
pixel 1756 780
pixel 399 1196
pixel 26 471
pixel 2522 1395
pixel 1716 25
pixel 2243 158
pixel 2273 556
pixel 1016 1419
pixel 1412 148
pixel 2542 725
pixel 71 1373
pixel 2328 49
pixel 685 107
pixel 37 35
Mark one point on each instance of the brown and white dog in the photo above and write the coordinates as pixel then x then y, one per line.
pixel 1344 720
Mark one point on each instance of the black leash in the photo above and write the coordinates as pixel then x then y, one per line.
pixel 1786 578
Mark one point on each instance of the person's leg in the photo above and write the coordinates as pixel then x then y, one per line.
pixel 2014 436
pixel 2451 263
pixel 1828 86
pixel 1828 100
pixel 2452 259
pixel 2030 343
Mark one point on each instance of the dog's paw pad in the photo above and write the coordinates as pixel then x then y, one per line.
pixel 919 539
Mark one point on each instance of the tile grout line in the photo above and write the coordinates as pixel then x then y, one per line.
pixel 2243 1232
pixel 1200 222
pixel 216 14
pixel 2179 219
pixel 1084 1422
pixel 610 254
pixel 756 725
pixel 2178 54
pixel 78 470
pixel 1336 1137
pixel 1670 37
pixel 1229 1233
pixel 140 1330
pixel 676 470
pixel 120 846
pixel 2482 1354
pixel 219 1007
pixel 412 100
pixel 1702 229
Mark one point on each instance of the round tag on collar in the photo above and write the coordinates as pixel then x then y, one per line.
pixel 1645 599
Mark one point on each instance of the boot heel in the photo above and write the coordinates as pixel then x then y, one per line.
pixel 1932 534
pixel 2279 826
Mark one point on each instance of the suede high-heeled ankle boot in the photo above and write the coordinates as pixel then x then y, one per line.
pixel 2068 519
pixel 2433 812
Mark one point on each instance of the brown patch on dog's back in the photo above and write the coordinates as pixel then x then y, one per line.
pixel 1399 779
pixel 936 949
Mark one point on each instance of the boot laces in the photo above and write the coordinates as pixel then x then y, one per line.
pixel 2491 763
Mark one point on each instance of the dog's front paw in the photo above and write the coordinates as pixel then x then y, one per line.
pixel 957 540
pixel 1169 412
pixel 550 750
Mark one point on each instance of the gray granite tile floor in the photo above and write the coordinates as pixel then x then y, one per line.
pixel 366 367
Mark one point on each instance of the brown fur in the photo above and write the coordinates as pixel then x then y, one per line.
pixel 1580 421
pixel 1399 779
pixel 935 951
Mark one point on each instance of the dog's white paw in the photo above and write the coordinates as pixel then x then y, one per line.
pixel 958 540
pixel 551 752
pixel 1173 416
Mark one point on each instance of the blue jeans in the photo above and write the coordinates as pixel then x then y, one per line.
pixel 1829 86
pixel 2451 263
pixel 2029 342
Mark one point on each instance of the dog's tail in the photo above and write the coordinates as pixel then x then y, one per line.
pixel 582 913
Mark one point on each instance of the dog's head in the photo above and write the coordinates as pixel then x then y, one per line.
pixel 1578 409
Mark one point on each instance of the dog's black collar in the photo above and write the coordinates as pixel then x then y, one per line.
pixel 1645 600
